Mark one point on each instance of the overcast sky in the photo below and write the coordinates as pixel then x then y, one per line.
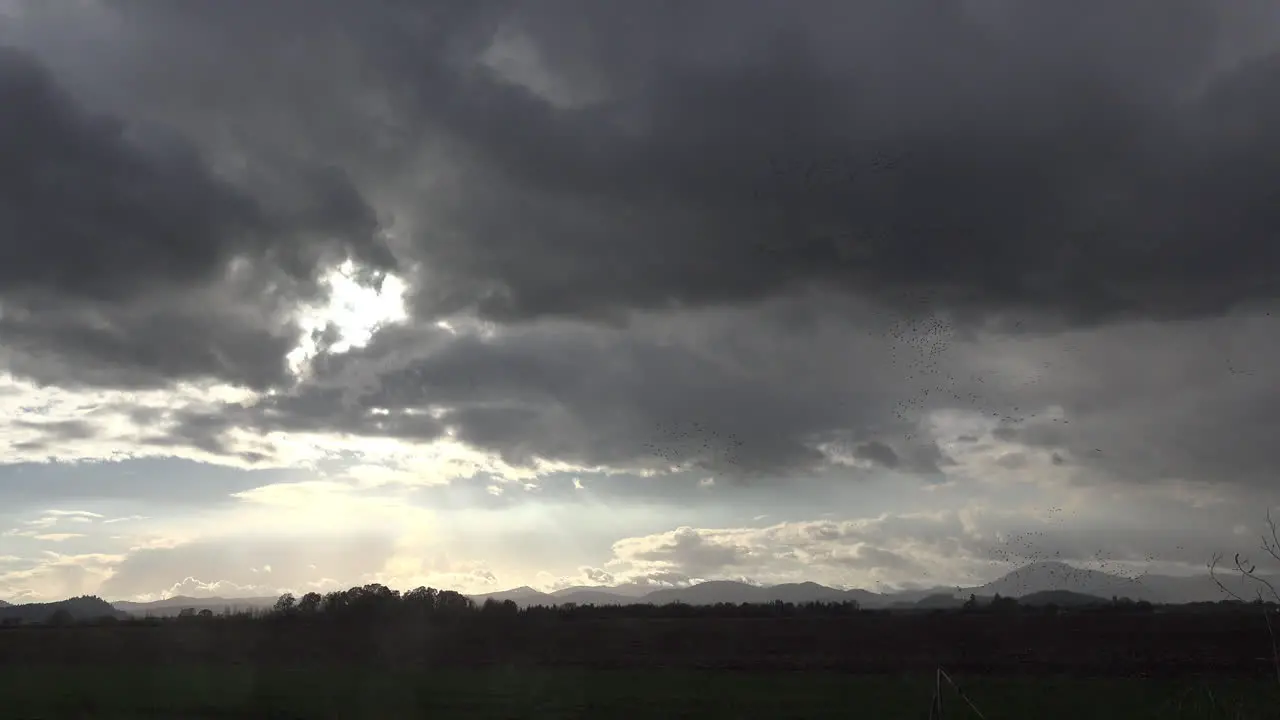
pixel 475 294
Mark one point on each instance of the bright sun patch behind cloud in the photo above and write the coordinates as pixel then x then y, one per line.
pixel 353 310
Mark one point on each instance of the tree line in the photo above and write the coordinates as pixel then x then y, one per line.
pixel 376 601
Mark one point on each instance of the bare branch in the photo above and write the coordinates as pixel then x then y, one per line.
pixel 1271 545
pixel 1275 649
pixel 1213 565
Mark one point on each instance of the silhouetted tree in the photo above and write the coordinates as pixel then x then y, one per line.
pixel 420 601
pixel 1003 604
pixel 452 603
pixel 309 604
pixel 286 604
pixel 503 608
pixel 335 602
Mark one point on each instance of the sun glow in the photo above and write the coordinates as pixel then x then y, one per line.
pixel 353 312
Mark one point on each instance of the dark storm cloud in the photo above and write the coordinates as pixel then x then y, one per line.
pixel 1039 164
pixel 188 335
pixel 98 210
pixel 125 259
pixel 984 155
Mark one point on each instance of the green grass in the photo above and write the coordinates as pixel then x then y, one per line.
pixel 240 691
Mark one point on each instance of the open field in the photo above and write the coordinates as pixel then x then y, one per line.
pixel 1230 644
pixel 873 665
pixel 515 692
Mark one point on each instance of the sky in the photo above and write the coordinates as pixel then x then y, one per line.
pixel 477 294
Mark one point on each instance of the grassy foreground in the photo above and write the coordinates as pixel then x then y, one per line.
pixel 191 692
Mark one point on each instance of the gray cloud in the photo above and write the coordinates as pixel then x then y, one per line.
pixel 878 452
pixel 128 260
pixel 733 394
pixel 60 430
pixel 1146 400
pixel 745 396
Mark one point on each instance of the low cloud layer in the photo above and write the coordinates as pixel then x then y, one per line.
pixel 954 535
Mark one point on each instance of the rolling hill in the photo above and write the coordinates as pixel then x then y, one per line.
pixel 630 590
pixel 1061 598
pixel 81 608
pixel 585 596
pixel 707 593
pixel 1045 576
pixel 1071 585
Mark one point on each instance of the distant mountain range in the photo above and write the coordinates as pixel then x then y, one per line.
pixel 707 593
pixel 1029 580
pixel 1037 583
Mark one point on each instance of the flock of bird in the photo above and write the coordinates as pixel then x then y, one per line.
pixel 811 176
pixel 918 348
pixel 694 444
